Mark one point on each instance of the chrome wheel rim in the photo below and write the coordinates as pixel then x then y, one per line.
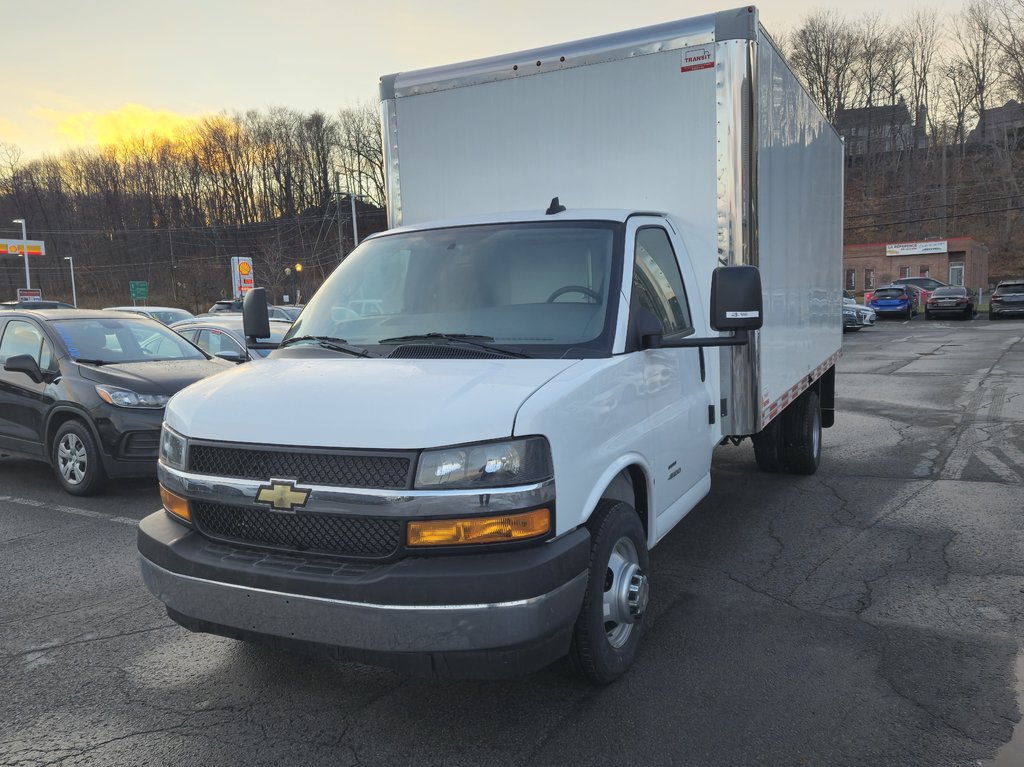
pixel 72 459
pixel 626 593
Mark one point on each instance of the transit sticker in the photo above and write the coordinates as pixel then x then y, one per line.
pixel 695 59
pixel 741 315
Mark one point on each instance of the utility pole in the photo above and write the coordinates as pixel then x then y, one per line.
pixel 337 200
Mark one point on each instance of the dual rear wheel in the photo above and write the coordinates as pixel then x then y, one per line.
pixel 792 442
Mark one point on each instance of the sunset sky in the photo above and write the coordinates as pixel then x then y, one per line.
pixel 78 74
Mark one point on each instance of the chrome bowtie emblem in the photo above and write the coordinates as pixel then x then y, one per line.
pixel 282 495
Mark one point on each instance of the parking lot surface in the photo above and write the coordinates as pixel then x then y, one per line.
pixel 870 614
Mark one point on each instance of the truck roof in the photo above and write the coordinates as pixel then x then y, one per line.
pixel 524 216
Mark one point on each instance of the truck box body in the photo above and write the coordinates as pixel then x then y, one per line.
pixel 488 414
pixel 701 119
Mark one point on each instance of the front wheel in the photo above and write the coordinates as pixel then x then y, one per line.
pixel 76 459
pixel 928 315
pixel 608 629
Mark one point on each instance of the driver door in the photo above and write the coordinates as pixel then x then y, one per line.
pixel 24 403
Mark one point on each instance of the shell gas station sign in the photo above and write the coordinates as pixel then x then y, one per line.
pixel 241 276
pixel 17 247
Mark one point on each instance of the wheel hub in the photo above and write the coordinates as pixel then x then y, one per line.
pixel 637 594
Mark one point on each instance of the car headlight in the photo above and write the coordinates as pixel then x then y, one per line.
pixel 488 464
pixel 113 395
pixel 172 448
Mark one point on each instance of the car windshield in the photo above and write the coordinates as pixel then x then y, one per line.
pixel 539 286
pixel 111 341
pixel 949 291
pixel 889 293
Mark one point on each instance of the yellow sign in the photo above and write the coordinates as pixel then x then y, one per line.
pixel 244 268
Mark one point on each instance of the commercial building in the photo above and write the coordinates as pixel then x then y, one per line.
pixel 957 261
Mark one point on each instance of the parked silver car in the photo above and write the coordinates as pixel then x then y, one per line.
pixel 222 336
pixel 165 314
pixel 856 316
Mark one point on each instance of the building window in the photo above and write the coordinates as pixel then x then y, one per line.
pixel 851 279
pixel 956 274
pixel 924 270
pixel 869 279
pixel 904 271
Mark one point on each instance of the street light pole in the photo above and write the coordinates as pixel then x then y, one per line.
pixel 355 230
pixel 24 249
pixel 74 294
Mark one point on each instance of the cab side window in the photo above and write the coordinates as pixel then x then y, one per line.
pixel 658 283
pixel 22 337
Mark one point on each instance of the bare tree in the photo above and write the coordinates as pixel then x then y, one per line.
pixel 974 30
pixel 824 52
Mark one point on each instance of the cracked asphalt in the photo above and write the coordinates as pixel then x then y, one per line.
pixel 870 614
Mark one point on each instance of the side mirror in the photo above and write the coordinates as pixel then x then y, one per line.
pixel 736 298
pixel 230 356
pixel 25 363
pixel 255 315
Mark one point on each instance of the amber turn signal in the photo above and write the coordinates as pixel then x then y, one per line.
pixel 503 529
pixel 175 504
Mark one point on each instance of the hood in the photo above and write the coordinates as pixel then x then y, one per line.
pixel 361 403
pixel 152 377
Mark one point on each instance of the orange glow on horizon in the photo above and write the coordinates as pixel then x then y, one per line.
pixel 132 121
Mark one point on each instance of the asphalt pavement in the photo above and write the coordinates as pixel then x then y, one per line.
pixel 870 614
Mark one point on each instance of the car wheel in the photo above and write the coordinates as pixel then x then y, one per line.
pixel 801 423
pixel 76 459
pixel 928 315
pixel 608 629
pixel 910 313
pixel 991 315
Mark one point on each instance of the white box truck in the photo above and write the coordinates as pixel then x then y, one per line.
pixel 488 415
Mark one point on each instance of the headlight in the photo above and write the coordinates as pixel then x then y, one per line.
pixel 489 464
pixel 172 448
pixel 112 395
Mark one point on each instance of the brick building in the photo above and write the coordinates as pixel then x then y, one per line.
pixel 958 261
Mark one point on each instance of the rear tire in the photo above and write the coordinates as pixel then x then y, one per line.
pixel 770 448
pixel 991 316
pixel 76 461
pixel 928 315
pixel 608 629
pixel 802 427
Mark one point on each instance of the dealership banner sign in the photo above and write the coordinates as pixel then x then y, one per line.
pixel 916 248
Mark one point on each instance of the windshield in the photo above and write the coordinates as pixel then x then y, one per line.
pixel 543 287
pixel 950 291
pixel 123 340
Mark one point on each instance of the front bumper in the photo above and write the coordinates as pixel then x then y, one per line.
pixel 477 615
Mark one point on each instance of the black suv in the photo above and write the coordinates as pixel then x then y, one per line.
pixel 85 390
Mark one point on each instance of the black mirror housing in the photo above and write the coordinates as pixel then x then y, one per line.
pixel 255 316
pixel 736 302
pixel 24 363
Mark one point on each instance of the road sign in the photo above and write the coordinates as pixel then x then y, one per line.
pixel 241 276
pixel 139 290
pixel 30 294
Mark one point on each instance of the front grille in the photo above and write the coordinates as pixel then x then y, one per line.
pixel 340 469
pixel 141 444
pixel 358 537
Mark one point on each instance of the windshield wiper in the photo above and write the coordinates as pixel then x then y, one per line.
pixel 332 343
pixel 480 342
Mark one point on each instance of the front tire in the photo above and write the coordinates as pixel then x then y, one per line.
pixel 610 623
pixel 802 427
pixel 928 315
pixel 76 461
